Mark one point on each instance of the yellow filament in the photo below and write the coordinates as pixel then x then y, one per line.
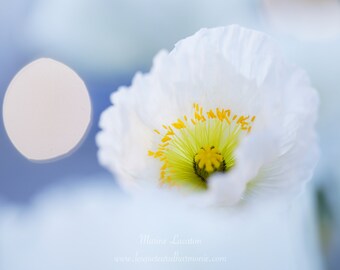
pixel 208 140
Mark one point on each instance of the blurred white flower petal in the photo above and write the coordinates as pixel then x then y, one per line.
pixel 320 56
pixel 240 76
pixel 92 226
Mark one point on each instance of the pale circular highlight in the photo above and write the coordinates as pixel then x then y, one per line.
pixel 47 110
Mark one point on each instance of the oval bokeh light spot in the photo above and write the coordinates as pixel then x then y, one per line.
pixel 46 110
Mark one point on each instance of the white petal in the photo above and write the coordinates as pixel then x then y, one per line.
pixel 227 67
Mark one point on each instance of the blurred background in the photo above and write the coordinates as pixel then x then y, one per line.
pixel 106 42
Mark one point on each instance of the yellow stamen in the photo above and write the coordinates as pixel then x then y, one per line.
pixel 211 114
pixel 166 138
pixel 179 124
pixel 193 148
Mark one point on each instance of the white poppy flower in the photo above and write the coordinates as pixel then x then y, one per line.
pixel 222 113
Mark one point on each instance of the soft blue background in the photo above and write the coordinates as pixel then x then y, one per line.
pixel 21 179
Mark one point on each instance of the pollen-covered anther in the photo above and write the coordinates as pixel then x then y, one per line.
pixel 179 124
pixel 211 114
pixel 165 139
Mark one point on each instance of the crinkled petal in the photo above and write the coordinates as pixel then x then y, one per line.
pixel 226 67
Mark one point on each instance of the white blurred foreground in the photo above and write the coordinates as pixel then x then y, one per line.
pixel 93 226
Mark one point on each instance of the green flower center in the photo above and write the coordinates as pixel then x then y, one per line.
pixel 191 150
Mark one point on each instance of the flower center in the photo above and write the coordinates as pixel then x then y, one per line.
pixel 192 149
pixel 207 161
